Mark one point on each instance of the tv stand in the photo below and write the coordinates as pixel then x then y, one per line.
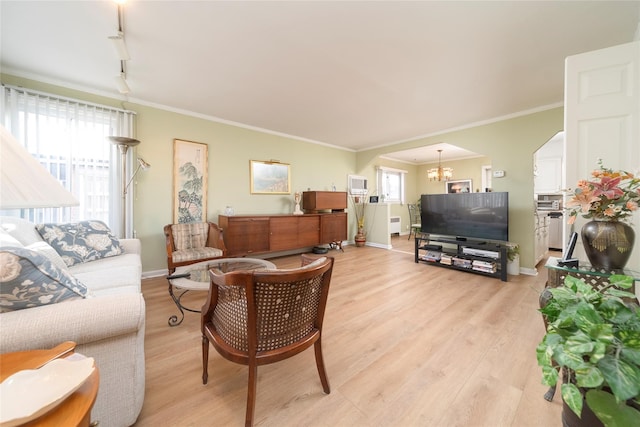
pixel 469 255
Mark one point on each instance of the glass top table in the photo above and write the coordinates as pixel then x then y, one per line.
pixel 584 271
pixel 552 262
pixel 195 277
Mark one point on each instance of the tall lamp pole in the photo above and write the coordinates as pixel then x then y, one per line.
pixel 123 144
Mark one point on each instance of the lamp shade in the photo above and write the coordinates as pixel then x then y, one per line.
pixel 25 183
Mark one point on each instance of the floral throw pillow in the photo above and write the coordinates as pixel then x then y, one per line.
pixel 81 242
pixel 28 279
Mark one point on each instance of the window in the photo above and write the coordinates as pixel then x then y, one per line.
pixel 391 184
pixel 69 138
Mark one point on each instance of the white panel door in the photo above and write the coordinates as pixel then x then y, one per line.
pixel 602 120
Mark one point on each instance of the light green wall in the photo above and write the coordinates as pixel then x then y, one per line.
pixel 230 149
pixel 509 144
pixel 462 169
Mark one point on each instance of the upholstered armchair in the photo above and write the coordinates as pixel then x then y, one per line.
pixel 193 242
pixel 264 316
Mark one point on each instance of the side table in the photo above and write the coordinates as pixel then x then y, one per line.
pixel 596 278
pixel 195 277
pixel 75 410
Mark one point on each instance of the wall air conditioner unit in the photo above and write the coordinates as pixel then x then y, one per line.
pixel 357 185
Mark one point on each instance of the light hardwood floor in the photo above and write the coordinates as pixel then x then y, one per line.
pixel 405 344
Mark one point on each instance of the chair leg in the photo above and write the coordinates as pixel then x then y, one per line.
pixel 321 370
pixel 251 393
pixel 205 359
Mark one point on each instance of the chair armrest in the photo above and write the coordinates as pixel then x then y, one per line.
pixel 82 321
pixel 131 246
pixel 215 238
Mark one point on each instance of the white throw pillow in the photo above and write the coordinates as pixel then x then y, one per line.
pixel 51 254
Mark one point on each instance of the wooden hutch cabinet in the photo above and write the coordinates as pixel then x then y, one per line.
pixel 255 234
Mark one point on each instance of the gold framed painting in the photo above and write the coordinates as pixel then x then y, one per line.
pixel 269 177
pixel 190 163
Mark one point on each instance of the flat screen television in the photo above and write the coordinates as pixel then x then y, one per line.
pixel 473 215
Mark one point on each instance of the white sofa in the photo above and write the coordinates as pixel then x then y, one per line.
pixel 108 326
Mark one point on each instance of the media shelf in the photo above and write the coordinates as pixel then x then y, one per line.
pixel 469 255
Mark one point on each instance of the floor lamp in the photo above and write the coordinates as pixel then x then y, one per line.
pixel 123 144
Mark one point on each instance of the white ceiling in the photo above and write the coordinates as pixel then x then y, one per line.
pixel 355 75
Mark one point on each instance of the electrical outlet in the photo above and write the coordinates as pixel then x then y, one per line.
pixel 407 227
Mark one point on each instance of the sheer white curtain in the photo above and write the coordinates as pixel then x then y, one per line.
pixel 69 137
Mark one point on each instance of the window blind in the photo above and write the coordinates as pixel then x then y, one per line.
pixel 69 138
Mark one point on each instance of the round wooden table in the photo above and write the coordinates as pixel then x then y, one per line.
pixel 75 410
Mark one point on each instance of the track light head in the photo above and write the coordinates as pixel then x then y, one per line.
pixel 121 83
pixel 120 46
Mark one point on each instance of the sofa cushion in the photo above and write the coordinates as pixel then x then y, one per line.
pixel 45 249
pixel 81 242
pixel 113 272
pixel 195 254
pixel 28 279
pixel 22 230
pixel 190 236
pixel 7 239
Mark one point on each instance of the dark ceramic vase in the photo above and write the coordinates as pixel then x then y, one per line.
pixel 586 419
pixel 608 244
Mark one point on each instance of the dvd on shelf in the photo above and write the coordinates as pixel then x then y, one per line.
pixel 446 259
pixel 462 262
pixel 485 266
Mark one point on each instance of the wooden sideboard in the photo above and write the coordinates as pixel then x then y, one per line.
pixel 255 234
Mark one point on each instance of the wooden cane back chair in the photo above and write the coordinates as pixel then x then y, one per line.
pixel 259 317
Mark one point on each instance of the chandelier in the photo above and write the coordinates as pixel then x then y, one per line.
pixel 440 173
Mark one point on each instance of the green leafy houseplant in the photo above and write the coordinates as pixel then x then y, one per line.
pixel 593 337
pixel 513 249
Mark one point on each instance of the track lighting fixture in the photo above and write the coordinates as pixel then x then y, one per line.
pixel 120 46
pixel 122 52
pixel 121 83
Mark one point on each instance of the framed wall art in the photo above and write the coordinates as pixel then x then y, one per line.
pixel 459 186
pixel 189 181
pixel 270 177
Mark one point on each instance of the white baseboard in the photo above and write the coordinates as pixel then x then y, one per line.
pixel 529 271
pixel 154 273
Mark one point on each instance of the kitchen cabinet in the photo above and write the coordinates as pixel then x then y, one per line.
pixel 548 178
pixel 541 236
